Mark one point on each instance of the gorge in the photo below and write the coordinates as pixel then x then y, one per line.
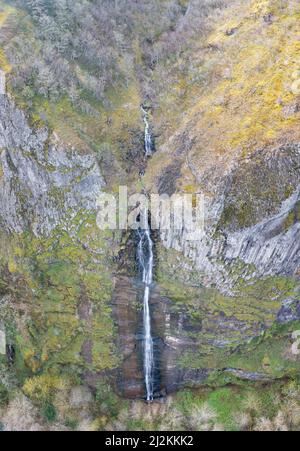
pixel 94 322
pixel 145 256
pixel 146 262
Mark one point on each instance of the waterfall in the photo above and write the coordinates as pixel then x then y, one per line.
pixel 146 262
pixel 145 257
pixel 149 145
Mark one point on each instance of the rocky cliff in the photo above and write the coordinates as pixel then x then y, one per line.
pixel 41 176
pixel 220 84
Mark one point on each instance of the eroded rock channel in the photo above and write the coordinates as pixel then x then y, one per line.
pixel 141 350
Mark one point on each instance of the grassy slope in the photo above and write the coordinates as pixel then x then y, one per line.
pixel 60 287
pixel 250 67
pixel 258 63
pixel 5 12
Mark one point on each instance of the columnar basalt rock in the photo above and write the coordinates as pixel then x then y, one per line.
pixel 271 246
pixel 213 296
pixel 41 175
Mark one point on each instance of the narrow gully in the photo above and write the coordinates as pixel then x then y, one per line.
pixel 145 258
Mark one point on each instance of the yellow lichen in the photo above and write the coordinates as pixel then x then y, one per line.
pixel 12 266
pixel 262 60
pixel 41 388
pixel 4 14
pixel 251 99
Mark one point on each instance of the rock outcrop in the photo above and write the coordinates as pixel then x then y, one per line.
pixel 213 297
pixel 290 311
pixel 249 221
pixel 43 182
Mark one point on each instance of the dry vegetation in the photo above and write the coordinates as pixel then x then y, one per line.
pixel 84 67
pixel 261 408
pixel 247 66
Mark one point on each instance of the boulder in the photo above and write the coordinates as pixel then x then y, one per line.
pixel 80 397
pixel 290 311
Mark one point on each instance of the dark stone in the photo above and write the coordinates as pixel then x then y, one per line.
pixel 131 150
pixel 249 376
pixel 167 181
pixel 290 311
pixel 232 31
pixel 10 353
pixel 127 317
pixel 180 378
pixel 268 18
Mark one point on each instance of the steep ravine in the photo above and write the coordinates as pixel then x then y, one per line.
pixel 200 315
pixel 202 311
pixel 75 303
pixel 142 376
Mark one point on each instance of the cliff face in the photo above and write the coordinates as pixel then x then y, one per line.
pixel 43 182
pixel 252 220
pixel 237 143
pixel 224 111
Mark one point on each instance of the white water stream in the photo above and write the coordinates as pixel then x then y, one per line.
pixel 146 261
pixel 145 256
pixel 148 135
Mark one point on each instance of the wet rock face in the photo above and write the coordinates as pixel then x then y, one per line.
pixel 176 341
pixel 40 176
pixel 177 334
pixel 125 310
pixel 128 314
pixel 192 326
pixel 48 181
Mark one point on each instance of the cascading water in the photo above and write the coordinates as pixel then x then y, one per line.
pixel 145 256
pixel 149 145
pixel 146 262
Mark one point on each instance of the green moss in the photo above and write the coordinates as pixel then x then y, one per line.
pixel 186 400
pixel 253 302
pixel 49 413
pixel 107 402
pixel 231 320
pixel 4 395
pixel 226 402
pixel 275 348
pixel 242 214
pixel 293 217
pixel 269 354
pixel 58 276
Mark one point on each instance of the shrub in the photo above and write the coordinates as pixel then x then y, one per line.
pixel 202 418
pixel 42 388
pixel 107 400
pixel 252 403
pixel 264 425
pixel 49 413
pixel 4 396
pixel 280 422
pixel 71 423
pixel 291 413
pixel 243 420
